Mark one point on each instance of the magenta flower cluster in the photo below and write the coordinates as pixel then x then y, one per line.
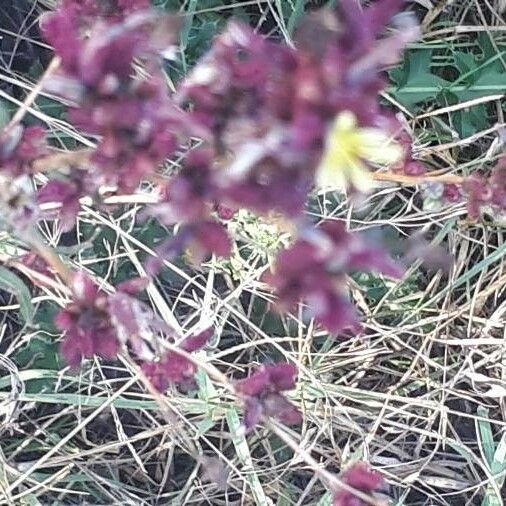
pixel 262 395
pixel 20 147
pixel 98 323
pixel 93 321
pixel 262 110
pixel 488 191
pixel 480 192
pixel 315 267
pixel 361 478
pixel 174 368
pixel 133 118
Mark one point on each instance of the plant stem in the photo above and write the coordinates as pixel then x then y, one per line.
pixel 332 480
pixel 57 159
pixel 406 180
pixel 50 256
pixel 31 97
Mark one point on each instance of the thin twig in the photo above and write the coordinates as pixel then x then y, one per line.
pixel 51 258
pixel 406 180
pixel 332 481
pixel 32 96
pixel 57 159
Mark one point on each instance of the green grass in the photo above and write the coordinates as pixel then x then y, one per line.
pixel 421 397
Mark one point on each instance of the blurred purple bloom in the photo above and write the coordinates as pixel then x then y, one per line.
pixel 270 185
pixel 314 269
pixel 362 478
pixel 67 193
pixel 133 286
pixel 478 193
pixel 452 193
pixel 137 123
pixel 19 147
pixel 262 395
pixel 173 368
pixel 208 238
pixel 60 28
pixel 196 341
pixel 269 107
pixel 95 323
pixel 224 212
pixel 482 191
pixel 199 240
pixel 433 256
pixel 86 324
pixel 188 195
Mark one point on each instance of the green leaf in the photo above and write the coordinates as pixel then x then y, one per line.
pixel 415 81
pixel 486 437
pixel 5 114
pixel 326 500
pixel 469 121
pixel 244 456
pixel 495 458
pixel 13 284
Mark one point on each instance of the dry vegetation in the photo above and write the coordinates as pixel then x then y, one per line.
pixel 422 396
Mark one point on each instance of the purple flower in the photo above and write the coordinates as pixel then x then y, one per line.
pixel 67 193
pixel 61 30
pixel 230 78
pixel 362 478
pixel 481 191
pixel 138 125
pixel 199 240
pixel 269 107
pixel 270 184
pixel 173 368
pixel 86 324
pixel 207 238
pixel 478 193
pixel 314 269
pixel 225 212
pixel 196 341
pixel 262 395
pixel 95 323
pixel 19 147
pixel 452 193
pixel 188 195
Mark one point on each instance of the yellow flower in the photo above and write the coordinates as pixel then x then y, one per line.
pixel 348 152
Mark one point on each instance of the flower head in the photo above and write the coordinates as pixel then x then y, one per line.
pixel 174 368
pixel 137 123
pixel 67 192
pixel 485 192
pixel 350 150
pixel 314 269
pixel 360 477
pixel 86 324
pixel 19 147
pixel 97 323
pixel 262 395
